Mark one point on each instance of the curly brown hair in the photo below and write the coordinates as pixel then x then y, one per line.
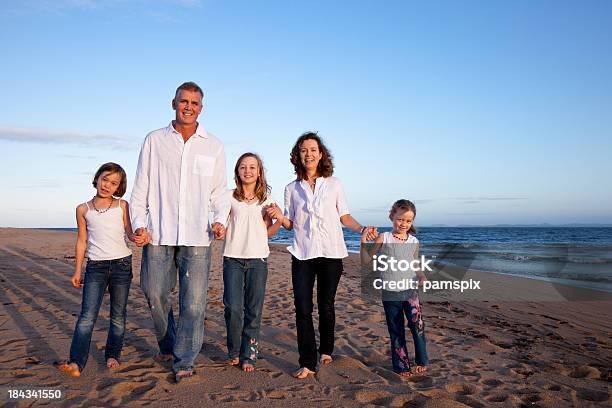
pixel 262 189
pixel 325 167
pixel 403 205
pixel 113 168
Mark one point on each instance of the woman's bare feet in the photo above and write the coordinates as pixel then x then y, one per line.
pixel 325 359
pixel 302 373
pixel 112 363
pixel 233 361
pixel 421 369
pixel 69 368
pixel 247 367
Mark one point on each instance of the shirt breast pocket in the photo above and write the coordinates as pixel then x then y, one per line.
pixel 203 165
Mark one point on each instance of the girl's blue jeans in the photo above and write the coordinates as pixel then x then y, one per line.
pixel 244 287
pixel 398 305
pixel 116 274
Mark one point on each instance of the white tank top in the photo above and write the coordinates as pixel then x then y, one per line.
pixel 105 234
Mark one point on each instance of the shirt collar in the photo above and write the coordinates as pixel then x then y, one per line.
pixel 200 130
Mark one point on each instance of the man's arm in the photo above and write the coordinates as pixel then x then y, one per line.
pixel 220 203
pixel 140 190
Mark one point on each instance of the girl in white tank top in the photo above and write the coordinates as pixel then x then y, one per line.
pixel 400 303
pixel 103 223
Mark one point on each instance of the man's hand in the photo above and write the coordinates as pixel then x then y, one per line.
pixel 218 230
pixel 142 237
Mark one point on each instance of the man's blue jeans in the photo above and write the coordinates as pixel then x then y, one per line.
pixel 157 279
pixel 244 287
pixel 117 275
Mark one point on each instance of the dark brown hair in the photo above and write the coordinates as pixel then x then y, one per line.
pixel 403 205
pixel 113 168
pixel 325 167
pixel 262 189
pixel 189 86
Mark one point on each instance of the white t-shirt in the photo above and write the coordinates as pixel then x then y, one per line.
pixel 247 234
pixel 316 218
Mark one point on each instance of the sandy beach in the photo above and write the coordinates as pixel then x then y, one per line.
pixel 533 348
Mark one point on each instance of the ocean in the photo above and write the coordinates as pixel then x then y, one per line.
pixel 579 256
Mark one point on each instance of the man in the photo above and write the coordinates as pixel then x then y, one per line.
pixel 180 179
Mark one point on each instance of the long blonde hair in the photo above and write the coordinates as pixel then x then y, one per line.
pixel 262 189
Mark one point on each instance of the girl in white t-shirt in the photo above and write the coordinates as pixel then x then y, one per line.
pixel 245 260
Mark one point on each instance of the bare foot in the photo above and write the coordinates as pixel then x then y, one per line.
pixel 421 369
pixel 112 363
pixel 325 359
pixel 247 367
pixel 302 373
pixel 233 361
pixel 69 368
pixel 405 374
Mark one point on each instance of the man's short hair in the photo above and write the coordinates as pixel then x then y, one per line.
pixel 189 86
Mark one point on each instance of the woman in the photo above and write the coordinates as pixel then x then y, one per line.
pixel 315 208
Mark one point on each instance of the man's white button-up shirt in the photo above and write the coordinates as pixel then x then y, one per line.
pixel 177 185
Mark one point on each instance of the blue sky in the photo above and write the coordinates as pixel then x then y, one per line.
pixel 482 112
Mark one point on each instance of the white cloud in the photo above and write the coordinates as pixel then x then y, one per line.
pixel 52 136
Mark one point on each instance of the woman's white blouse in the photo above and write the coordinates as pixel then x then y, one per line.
pixel 247 233
pixel 316 218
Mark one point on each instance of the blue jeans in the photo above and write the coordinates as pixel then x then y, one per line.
pixel 395 310
pixel 117 275
pixel 244 287
pixel 157 279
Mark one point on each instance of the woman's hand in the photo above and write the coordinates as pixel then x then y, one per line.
pixel 219 230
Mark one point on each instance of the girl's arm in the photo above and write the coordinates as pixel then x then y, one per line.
pixel 419 271
pixel 81 245
pixel 272 227
pixel 274 212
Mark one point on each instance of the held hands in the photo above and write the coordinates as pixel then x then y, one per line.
pixel 275 212
pixel 369 233
pixel 141 237
pixel 218 230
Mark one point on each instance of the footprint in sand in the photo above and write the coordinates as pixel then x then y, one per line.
pixel 461 388
pixel 585 371
pixel 591 395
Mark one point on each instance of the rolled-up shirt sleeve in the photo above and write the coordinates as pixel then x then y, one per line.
pixel 140 190
pixel 341 204
pixel 220 203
